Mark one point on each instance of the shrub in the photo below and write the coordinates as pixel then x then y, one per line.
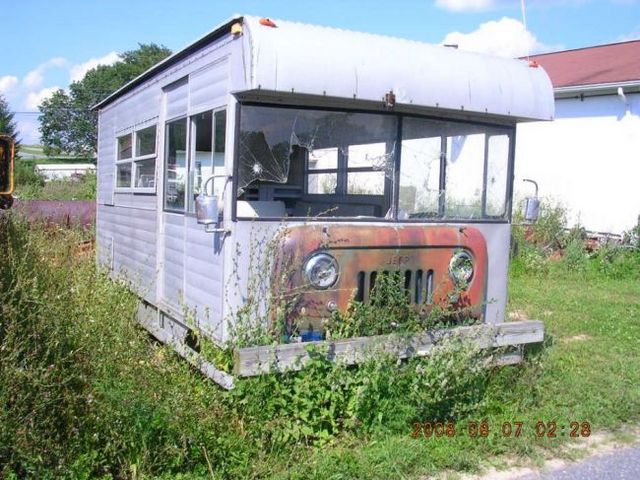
pixel 81 188
pixel 327 398
pixel 575 256
pixel 24 174
pixel 617 261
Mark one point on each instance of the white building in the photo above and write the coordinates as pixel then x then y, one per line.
pixel 588 159
pixel 53 171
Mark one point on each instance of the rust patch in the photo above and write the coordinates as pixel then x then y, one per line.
pixel 361 250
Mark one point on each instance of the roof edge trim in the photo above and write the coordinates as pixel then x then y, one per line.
pixel 170 60
pixel 595 87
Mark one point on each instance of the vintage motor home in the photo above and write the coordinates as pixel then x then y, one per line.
pixel 331 155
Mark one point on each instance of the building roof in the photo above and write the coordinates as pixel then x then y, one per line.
pixel 614 63
pixel 295 58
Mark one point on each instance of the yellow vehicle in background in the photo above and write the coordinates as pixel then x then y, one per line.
pixel 6 171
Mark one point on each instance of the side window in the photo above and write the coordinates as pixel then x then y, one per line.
pixel 188 164
pixel 207 152
pixel 420 162
pixel 464 175
pixel 175 165
pixel 145 158
pixel 123 162
pixel 136 160
pixel 496 175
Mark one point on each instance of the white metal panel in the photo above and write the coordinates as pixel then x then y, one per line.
pixel 126 239
pixel 315 60
pixel 177 99
pixel 203 277
pixel 173 261
pixel 208 86
pixel 140 111
pixel 106 156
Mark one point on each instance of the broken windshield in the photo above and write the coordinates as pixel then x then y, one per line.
pixel 316 162
pixel 311 163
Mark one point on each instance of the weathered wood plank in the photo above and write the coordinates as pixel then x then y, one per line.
pixel 253 361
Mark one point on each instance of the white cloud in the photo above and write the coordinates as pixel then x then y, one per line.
pixel 506 37
pixel 484 5
pixel 7 83
pixel 34 78
pixel 77 72
pixel 465 5
pixel 34 99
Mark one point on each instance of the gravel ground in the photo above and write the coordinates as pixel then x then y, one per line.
pixel 622 464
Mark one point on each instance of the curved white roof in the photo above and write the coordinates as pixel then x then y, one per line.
pixel 339 63
pixel 307 59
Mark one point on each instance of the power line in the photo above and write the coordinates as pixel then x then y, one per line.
pixel 76 110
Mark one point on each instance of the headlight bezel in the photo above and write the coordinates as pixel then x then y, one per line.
pixel 461 268
pixel 310 270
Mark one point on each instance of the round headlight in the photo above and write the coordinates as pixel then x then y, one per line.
pixel 321 270
pixel 461 268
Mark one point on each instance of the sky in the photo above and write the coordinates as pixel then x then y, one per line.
pixel 48 44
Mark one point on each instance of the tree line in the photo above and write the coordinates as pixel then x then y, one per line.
pixel 67 124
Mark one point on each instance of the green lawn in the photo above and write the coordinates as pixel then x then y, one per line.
pixel 85 392
pixel 36 154
pixel 589 372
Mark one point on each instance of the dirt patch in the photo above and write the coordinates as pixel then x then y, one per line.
pixel 518 315
pixel 596 444
pixel 576 338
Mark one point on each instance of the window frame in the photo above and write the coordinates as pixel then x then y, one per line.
pixel 508 129
pixel 190 154
pixel 342 172
pixel 133 161
pixel 165 170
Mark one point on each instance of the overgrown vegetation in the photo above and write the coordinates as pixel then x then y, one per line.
pixel 29 185
pixel 549 248
pixel 85 393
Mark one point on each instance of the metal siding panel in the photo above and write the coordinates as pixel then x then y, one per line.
pixel 210 69
pixel 203 277
pixel 173 260
pixel 208 87
pixel 106 156
pixel 176 99
pixel 134 245
pixel 145 201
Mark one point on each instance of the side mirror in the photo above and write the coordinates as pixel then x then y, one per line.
pixel 6 165
pixel 531 210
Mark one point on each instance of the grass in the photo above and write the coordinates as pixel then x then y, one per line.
pixel 589 372
pixel 85 393
pixel 31 186
pixel 36 152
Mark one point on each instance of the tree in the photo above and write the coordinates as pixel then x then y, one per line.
pixel 7 123
pixel 67 124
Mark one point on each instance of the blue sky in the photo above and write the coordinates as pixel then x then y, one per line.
pixel 47 44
